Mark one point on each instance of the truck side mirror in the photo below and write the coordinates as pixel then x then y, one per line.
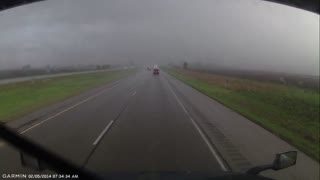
pixel 281 161
pixel 285 160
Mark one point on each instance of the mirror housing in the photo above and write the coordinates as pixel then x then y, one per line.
pixel 285 160
pixel 281 161
pixel 31 162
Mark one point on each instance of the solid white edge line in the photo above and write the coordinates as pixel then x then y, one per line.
pixel 102 133
pixel 213 151
pixel 61 112
pixel 46 120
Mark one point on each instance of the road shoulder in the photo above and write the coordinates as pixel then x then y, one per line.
pixel 48 111
pixel 241 142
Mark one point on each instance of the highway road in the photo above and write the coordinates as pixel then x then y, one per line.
pixel 152 123
pixel 137 124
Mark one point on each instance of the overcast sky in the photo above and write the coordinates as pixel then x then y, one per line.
pixel 244 34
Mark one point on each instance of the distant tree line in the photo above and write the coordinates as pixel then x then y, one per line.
pixel 106 66
pixel 185 65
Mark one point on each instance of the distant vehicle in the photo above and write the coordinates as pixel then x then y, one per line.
pixel 156 71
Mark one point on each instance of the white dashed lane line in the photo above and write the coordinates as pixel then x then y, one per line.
pixel 103 133
pixel 134 93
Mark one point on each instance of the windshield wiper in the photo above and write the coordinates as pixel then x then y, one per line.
pixel 54 162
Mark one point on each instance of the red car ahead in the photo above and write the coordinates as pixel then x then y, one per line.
pixel 156 71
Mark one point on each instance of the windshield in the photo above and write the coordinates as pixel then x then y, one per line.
pixel 206 87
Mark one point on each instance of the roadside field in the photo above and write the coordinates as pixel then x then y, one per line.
pixel 18 99
pixel 289 112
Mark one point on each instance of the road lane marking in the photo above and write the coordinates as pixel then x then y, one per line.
pixel 103 133
pixel 213 151
pixel 61 112
pixel 134 93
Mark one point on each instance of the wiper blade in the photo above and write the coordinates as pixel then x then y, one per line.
pixel 56 163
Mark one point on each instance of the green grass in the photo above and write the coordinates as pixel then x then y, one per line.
pixel 18 99
pixel 289 112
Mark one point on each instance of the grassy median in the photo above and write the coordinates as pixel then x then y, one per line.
pixel 291 113
pixel 18 99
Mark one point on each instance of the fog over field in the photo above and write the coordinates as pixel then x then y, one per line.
pixel 246 34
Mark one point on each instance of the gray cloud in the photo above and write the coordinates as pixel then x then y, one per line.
pixel 247 34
